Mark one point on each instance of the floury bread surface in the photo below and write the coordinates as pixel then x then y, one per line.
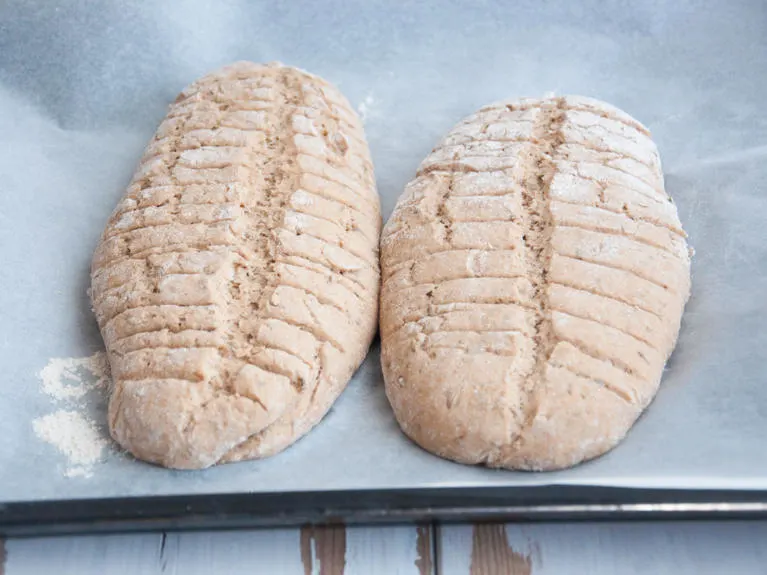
pixel 534 275
pixel 236 283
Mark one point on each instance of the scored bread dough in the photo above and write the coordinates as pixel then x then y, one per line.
pixel 534 275
pixel 236 283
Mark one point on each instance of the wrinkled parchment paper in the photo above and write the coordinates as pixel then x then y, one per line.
pixel 84 84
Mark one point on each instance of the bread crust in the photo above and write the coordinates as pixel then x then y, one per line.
pixel 236 283
pixel 534 275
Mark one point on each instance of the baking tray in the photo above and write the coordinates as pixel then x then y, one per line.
pixel 83 86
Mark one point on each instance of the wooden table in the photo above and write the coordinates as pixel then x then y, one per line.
pixel 648 548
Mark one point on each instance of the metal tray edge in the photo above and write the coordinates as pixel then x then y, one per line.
pixel 249 510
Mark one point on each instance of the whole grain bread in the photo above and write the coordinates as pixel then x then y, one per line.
pixel 534 275
pixel 236 283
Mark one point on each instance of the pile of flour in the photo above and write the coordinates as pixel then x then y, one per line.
pixel 67 381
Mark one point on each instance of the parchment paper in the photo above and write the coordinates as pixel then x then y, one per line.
pixel 84 84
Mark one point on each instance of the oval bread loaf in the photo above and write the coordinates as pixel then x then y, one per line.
pixel 236 283
pixel 533 279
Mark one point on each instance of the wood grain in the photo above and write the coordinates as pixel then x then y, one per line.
pixel 135 554
pixel 424 548
pixel 491 553
pixel 325 546
pixel 390 550
pixel 659 548
pixel 273 551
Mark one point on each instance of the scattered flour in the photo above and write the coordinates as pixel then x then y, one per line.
pixel 73 377
pixel 366 108
pixel 75 436
pixel 67 380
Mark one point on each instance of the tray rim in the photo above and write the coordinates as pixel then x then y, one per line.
pixel 411 505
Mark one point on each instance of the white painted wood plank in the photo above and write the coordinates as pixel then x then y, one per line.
pixel 233 552
pixel 453 548
pixel 315 550
pixel 402 550
pixel 659 548
pixel 540 549
pixel 255 552
pixel 85 555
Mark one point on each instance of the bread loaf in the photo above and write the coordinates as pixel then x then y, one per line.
pixel 534 275
pixel 236 283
